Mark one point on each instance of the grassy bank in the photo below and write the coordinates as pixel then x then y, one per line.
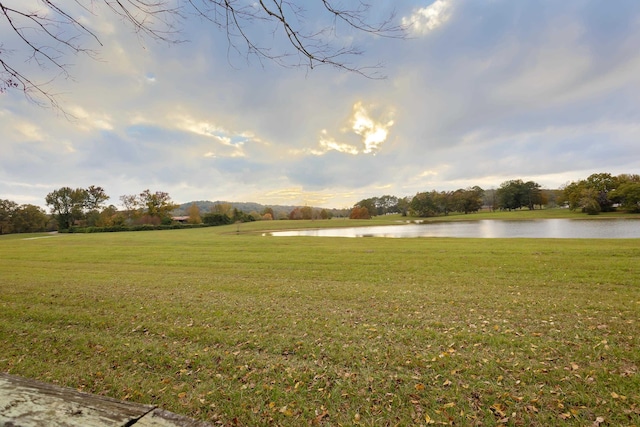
pixel 229 326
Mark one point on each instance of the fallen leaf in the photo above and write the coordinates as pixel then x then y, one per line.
pixel 286 411
pixel 498 410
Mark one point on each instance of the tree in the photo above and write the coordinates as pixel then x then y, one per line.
pixel 7 210
pixel 469 200
pixel 531 194
pixel 444 202
pixel 628 195
pixel 295 213
pixel 110 217
pixel 368 204
pixel 29 219
pixel 403 205
pixel 213 218
pixel 603 184
pixel 359 212
pixel 596 189
pixel 267 213
pixel 223 209
pixel 307 212
pixel 96 196
pixel 194 214
pixel 424 205
pixel 58 29
pixel 132 209
pixel 149 208
pixel 515 194
pixel 157 204
pixel 67 205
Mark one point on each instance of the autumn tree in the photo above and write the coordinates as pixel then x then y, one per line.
pixel 369 205
pixel 267 213
pixel 223 209
pixel 295 213
pixel 110 216
pixel 307 212
pixel 157 204
pixel 194 214
pixel 149 207
pixel 359 212
pixel 55 29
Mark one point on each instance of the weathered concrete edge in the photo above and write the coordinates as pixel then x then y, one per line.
pixel 139 415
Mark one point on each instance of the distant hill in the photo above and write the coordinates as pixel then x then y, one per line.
pixel 280 211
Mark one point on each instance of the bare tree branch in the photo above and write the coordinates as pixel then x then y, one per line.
pixel 52 32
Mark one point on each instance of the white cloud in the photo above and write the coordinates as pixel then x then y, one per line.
pixel 328 143
pixel 426 19
pixel 373 132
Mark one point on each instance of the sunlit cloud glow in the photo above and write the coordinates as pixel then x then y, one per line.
pixel 426 19
pixel 374 133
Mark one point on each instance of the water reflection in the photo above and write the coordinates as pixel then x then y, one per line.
pixel 545 228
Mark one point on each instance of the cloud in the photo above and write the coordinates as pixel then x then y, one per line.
pixel 327 143
pixel 480 92
pixel 426 19
pixel 373 132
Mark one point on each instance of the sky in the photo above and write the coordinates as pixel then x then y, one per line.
pixel 476 93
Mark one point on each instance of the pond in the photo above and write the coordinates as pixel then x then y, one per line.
pixel 543 228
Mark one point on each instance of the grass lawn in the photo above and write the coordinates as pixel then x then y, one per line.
pixel 237 328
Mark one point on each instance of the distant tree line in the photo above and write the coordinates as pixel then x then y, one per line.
pixel 423 204
pixel 600 192
pixel 86 209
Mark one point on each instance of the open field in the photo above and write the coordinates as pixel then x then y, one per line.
pixel 241 329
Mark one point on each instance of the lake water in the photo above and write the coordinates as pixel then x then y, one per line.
pixel 544 228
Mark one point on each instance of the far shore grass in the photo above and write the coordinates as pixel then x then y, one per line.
pixel 229 326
